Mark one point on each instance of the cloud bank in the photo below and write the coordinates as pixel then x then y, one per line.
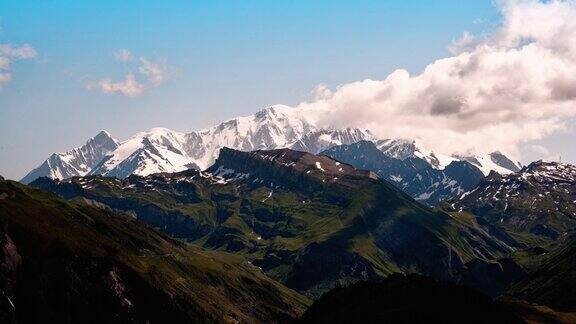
pixel 10 54
pixel 152 74
pixel 513 86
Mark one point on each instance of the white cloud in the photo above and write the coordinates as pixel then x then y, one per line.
pixel 129 86
pixel 321 92
pixel 10 54
pixel 152 74
pixel 513 86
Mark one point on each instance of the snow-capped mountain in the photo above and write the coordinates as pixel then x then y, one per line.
pixel 403 149
pixel 158 150
pixel 427 176
pixel 397 148
pixel 494 161
pixel 75 162
pixel 538 200
pixel 273 127
pixel 320 140
pixel 395 161
pixel 164 150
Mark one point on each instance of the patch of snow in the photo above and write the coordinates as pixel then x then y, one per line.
pixel 267 197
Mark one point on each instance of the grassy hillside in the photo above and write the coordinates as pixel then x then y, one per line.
pixel 80 262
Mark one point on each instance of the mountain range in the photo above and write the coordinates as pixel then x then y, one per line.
pixel 164 150
pixel 303 224
pixel 306 220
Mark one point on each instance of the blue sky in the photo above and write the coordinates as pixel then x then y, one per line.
pixel 226 58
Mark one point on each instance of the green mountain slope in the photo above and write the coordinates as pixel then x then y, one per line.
pixel 80 262
pixel 308 221
pixel 553 281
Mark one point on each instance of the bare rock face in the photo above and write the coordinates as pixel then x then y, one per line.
pixel 503 161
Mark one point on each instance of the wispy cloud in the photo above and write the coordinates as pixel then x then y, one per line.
pixel 155 72
pixel 145 75
pixel 124 55
pixel 128 87
pixel 497 91
pixel 10 54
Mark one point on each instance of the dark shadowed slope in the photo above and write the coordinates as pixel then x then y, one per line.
pixel 406 299
pixel 80 262
pixel 553 282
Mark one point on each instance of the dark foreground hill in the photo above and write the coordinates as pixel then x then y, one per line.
pixel 406 299
pixel 79 262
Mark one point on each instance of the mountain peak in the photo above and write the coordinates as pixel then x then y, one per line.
pixel 75 162
pixel 103 133
pixel 397 148
pixel 276 111
pixel 503 161
pixel 545 164
pixel 103 138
